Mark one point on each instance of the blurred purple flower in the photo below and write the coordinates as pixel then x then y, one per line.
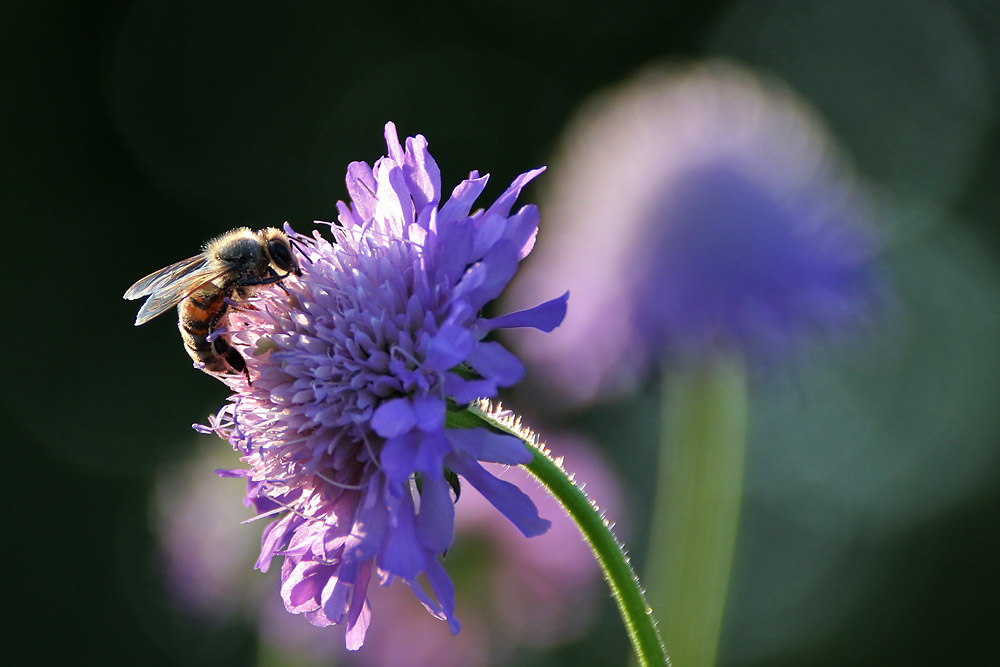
pixel 354 366
pixel 694 211
pixel 201 541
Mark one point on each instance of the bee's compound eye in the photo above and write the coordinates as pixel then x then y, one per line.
pixel 281 254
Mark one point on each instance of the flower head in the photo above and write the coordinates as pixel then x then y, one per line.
pixel 354 367
pixel 693 211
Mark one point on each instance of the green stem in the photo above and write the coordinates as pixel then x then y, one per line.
pixel 635 612
pixel 696 514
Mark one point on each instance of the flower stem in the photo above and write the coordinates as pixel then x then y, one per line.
pixel 696 514
pixel 625 588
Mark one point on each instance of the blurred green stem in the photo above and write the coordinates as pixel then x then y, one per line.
pixel 697 506
pixel 625 588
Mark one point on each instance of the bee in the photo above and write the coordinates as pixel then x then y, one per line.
pixel 231 266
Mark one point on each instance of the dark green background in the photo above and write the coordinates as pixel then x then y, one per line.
pixel 132 132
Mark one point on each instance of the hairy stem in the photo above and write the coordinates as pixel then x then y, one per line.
pixel 625 589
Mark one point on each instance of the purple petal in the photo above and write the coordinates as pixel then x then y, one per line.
pixel 361 186
pixel 430 412
pixel 430 455
pixel 368 531
pixel 465 391
pixel 305 536
pixel 504 203
pixel 488 231
pixel 444 591
pixel 318 618
pixel 461 312
pixel 507 498
pixel 360 613
pixel 494 361
pixel 485 280
pixel 403 556
pixel 347 216
pixel 392 143
pixel 274 539
pixel 398 457
pixel 436 520
pixel 522 229
pixel 302 588
pixel 356 631
pixel 448 348
pixel 393 207
pixel 261 504
pixel 334 598
pixel 422 173
pixel 485 445
pixel 430 604
pixel 350 568
pixel 455 242
pixel 394 417
pixel 463 197
pixel 545 317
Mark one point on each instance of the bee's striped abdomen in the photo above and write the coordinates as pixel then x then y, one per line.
pixel 199 314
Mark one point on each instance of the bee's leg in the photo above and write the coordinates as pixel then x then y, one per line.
pixel 236 360
pixel 232 356
pixel 295 244
pixel 270 279
pixel 240 303
pixel 218 318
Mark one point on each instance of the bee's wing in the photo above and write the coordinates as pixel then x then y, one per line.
pixel 167 287
pixel 159 279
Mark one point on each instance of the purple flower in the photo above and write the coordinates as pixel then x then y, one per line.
pixel 354 367
pixel 695 211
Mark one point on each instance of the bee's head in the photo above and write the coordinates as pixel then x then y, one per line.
pixel 280 250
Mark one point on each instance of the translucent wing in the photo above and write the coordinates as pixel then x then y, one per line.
pixel 158 279
pixel 168 286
